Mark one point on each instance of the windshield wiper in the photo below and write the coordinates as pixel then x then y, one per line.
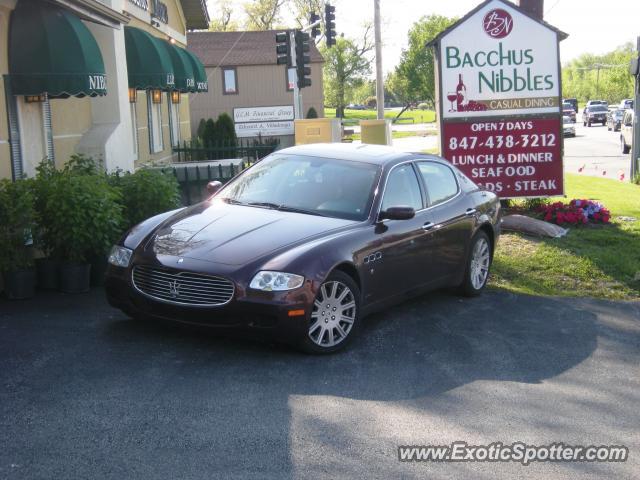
pixel 273 206
pixel 285 208
pixel 281 208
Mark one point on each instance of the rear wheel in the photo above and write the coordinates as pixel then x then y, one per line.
pixel 625 148
pixel 478 265
pixel 335 316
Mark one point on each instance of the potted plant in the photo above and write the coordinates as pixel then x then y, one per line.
pixel 46 266
pixel 16 227
pixel 84 217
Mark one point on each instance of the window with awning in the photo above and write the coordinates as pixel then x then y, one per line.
pixel 148 62
pixel 51 51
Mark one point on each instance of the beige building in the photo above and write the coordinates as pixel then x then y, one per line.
pixel 243 76
pixel 107 78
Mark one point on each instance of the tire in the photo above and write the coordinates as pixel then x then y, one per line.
pixel 589 124
pixel 608 128
pixel 471 285
pixel 324 328
pixel 625 148
pixel 584 124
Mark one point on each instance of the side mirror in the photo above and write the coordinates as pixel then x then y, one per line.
pixel 398 213
pixel 213 187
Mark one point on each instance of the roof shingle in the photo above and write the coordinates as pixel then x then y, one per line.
pixel 239 48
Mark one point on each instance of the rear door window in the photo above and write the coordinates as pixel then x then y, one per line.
pixel 440 182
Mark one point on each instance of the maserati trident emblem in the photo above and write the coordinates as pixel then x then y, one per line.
pixel 174 289
pixel 180 260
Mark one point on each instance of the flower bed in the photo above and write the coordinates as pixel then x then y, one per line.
pixel 576 212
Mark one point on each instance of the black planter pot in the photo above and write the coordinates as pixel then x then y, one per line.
pixel 98 271
pixel 19 284
pixel 74 277
pixel 47 269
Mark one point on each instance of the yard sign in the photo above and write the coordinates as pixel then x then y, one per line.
pixel 499 100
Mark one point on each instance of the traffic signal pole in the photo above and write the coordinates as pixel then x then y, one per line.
pixel 635 144
pixel 297 97
pixel 379 79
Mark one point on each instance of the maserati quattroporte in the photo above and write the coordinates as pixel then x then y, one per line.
pixel 305 243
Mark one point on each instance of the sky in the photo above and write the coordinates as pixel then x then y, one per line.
pixel 594 26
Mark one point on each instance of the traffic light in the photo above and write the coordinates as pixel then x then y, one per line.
pixel 302 59
pixel 283 48
pixel 329 24
pixel 313 18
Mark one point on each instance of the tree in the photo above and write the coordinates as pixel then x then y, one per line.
pixel 414 76
pixel 223 22
pixel 263 14
pixel 582 80
pixel 346 67
pixel 303 10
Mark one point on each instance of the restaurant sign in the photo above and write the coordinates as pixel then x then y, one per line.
pixel 499 100
pixel 264 121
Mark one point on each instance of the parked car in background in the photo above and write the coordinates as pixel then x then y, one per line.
pixel 626 103
pixel 573 102
pixel 594 114
pixel 614 119
pixel 306 242
pixel 568 126
pixel 626 131
pixel 568 110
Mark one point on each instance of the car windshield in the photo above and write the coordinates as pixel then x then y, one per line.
pixel 566 119
pixel 567 106
pixel 598 108
pixel 317 186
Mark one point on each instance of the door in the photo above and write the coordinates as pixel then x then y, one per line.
pixel 393 263
pixel 452 216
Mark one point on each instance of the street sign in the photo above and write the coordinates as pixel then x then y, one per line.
pixel 499 100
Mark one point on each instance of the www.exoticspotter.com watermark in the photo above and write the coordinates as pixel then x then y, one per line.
pixel 515 452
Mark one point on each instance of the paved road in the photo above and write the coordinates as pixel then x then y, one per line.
pixel 597 152
pixel 86 393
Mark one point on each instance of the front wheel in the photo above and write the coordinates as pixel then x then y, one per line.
pixel 625 148
pixel 335 315
pixel 478 265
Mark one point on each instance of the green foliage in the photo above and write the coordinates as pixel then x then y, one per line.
pixel 201 128
pixel 346 67
pixel 311 113
pixel 17 221
pixel 581 80
pixel 83 215
pixel 210 135
pixel 636 179
pixel 224 21
pixel 423 106
pixel 371 101
pixel 262 14
pixel 414 78
pixel 226 129
pixel 79 164
pixel 145 193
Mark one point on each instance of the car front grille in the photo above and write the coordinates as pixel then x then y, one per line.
pixel 182 288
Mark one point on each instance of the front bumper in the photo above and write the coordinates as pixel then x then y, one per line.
pixel 256 313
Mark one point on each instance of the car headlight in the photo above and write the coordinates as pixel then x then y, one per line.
pixel 276 281
pixel 120 256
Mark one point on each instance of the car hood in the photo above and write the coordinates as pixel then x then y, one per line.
pixel 235 234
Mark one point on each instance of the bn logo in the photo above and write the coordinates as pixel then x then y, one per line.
pixel 497 23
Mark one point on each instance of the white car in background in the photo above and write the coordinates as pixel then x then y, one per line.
pixel 626 131
pixel 568 126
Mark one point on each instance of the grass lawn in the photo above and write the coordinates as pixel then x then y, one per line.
pixel 598 261
pixel 410 116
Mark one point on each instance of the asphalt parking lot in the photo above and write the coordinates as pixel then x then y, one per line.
pixel 87 393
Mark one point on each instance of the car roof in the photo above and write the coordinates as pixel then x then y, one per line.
pixel 376 154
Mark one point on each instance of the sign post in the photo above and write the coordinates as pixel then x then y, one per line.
pixel 499 100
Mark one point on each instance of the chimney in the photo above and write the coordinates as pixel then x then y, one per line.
pixel 535 8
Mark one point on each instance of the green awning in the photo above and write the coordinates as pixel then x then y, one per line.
pixel 51 51
pixel 199 73
pixel 182 68
pixel 148 61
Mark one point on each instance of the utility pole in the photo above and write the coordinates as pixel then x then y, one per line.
pixel 379 79
pixel 635 144
pixel 535 8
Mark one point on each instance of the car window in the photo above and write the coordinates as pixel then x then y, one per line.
pixel 402 189
pixel 440 181
pixel 598 108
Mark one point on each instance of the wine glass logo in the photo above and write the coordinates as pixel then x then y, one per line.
pixel 452 97
pixel 497 23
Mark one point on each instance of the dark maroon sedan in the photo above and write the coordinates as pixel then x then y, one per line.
pixel 305 243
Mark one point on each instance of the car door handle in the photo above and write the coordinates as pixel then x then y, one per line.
pixel 470 212
pixel 428 226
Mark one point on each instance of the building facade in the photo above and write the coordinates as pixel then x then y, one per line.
pixel 243 77
pixel 110 79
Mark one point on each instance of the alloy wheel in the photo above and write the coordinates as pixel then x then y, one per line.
pixel 480 260
pixel 333 315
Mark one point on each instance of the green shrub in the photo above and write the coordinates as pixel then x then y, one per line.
pixel 79 164
pixel 201 128
pixel 423 106
pixel 210 134
pixel 226 129
pixel 371 102
pixel 146 193
pixel 17 221
pixel 636 179
pixel 84 216
pixel 311 113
